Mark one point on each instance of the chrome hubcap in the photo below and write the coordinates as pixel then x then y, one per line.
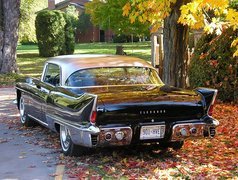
pixel 22 111
pixel 64 137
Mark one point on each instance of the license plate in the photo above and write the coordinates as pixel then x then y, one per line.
pixel 152 132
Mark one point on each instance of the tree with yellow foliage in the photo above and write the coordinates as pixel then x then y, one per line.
pixel 176 17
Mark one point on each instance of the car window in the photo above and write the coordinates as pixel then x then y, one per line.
pixel 113 76
pixel 52 74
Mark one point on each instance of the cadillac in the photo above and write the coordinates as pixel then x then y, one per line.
pixel 109 100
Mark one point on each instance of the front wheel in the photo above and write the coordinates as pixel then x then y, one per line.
pixel 68 147
pixel 24 118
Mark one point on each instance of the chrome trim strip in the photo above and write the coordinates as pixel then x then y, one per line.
pixel 215 122
pixel 213 100
pixel 94 107
pixel 38 120
pixel 115 128
pixel 67 124
pixel 22 90
pixel 43 72
pixel 84 87
pixel 214 96
pixel 93 129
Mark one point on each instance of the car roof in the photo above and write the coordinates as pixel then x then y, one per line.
pixel 72 63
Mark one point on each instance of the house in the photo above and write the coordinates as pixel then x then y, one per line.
pixel 92 33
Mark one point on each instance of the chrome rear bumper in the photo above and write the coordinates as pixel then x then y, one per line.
pixel 182 131
pixel 94 136
pixel 99 137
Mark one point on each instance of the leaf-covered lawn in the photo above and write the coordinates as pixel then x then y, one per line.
pixel 198 159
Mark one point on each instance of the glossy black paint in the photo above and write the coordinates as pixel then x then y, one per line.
pixel 132 105
pixel 120 105
pixel 144 103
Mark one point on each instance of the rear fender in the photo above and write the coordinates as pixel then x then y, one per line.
pixel 71 106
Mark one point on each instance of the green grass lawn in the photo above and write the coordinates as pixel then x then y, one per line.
pixel 141 50
pixel 30 63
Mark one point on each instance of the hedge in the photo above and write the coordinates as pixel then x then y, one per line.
pixel 213 65
pixel 54 33
pixel 69 36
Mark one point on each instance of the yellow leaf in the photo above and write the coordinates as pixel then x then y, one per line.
pixel 132 19
pixel 235 44
pixel 126 9
pixel 236 53
pixel 156 170
pixel 232 18
pixel 222 4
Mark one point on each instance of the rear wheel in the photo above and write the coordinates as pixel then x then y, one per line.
pixel 67 145
pixel 24 118
pixel 177 145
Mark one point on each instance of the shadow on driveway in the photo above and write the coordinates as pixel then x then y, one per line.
pixel 24 151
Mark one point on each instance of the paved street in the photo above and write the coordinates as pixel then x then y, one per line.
pixel 22 154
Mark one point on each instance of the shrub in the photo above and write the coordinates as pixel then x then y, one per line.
pixel 54 34
pixel 213 65
pixel 69 36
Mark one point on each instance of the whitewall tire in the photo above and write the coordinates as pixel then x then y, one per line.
pixel 24 118
pixel 67 145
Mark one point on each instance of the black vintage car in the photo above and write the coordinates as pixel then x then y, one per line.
pixel 108 100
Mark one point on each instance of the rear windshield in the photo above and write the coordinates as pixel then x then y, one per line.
pixel 113 76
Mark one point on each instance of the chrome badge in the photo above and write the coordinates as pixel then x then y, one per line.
pixel 160 111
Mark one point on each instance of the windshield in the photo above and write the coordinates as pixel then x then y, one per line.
pixel 113 76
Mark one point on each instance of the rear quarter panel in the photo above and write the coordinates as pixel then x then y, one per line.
pixel 65 107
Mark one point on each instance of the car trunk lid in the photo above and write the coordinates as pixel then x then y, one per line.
pixel 145 103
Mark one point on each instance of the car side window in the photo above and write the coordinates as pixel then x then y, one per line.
pixel 81 78
pixel 52 74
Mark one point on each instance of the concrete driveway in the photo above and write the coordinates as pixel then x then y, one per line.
pixel 22 155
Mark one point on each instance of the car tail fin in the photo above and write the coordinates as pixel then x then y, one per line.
pixel 211 107
pixel 209 97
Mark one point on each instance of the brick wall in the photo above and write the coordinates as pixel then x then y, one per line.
pixel 91 35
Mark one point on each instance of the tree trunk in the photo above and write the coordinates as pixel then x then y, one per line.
pixel 175 47
pixel 9 15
